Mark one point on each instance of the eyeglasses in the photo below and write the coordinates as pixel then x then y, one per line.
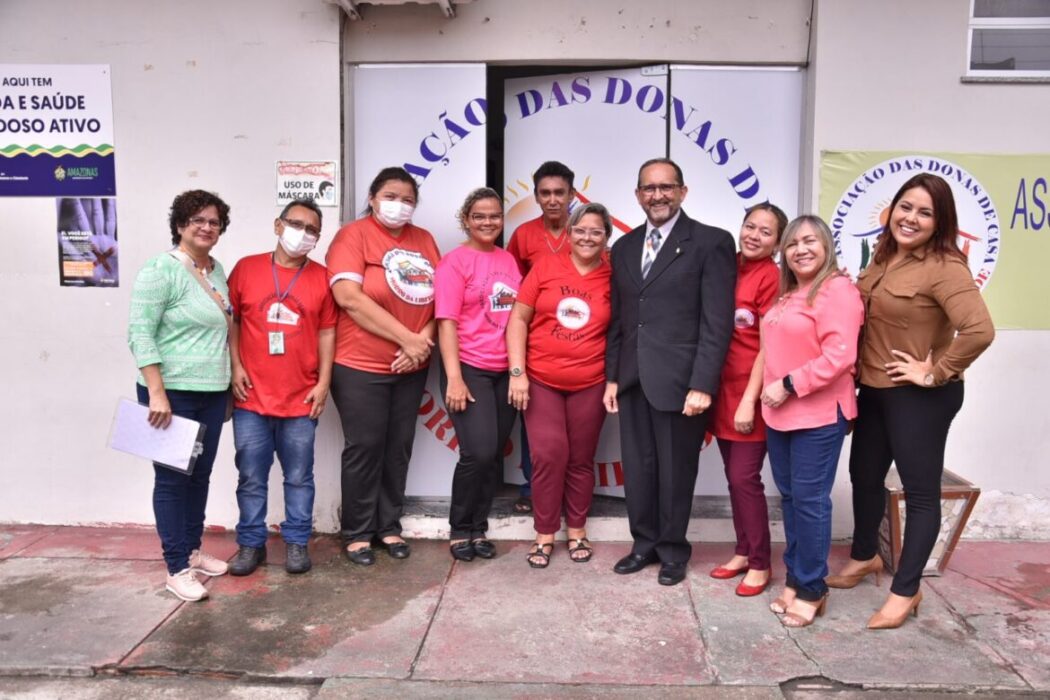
pixel 482 218
pixel 581 232
pixel 302 226
pixel 664 189
pixel 202 222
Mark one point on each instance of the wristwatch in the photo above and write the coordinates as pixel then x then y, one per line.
pixel 789 386
pixel 928 380
pixel 516 371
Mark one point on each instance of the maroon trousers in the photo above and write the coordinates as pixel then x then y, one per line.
pixel 563 429
pixel 743 463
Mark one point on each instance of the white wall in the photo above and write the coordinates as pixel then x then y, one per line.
pixel 210 94
pixel 205 95
pixel 886 76
pixel 580 31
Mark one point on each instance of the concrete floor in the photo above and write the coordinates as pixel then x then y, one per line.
pixel 83 613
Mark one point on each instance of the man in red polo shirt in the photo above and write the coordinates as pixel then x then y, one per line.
pixel 282 347
pixel 552 186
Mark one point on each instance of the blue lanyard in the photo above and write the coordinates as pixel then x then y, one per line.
pixel 277 286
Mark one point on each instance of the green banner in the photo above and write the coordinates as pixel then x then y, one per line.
pixel 1004 219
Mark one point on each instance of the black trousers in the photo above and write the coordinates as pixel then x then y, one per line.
pixel 482 431
pixel 660 451
pixel 378 413
pixel 907 425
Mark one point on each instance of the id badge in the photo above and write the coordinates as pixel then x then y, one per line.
pixel 276 342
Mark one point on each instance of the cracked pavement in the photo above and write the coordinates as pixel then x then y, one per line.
pixel 83 613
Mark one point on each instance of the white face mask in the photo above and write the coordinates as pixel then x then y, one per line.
pixel 394 214
pixel 297 242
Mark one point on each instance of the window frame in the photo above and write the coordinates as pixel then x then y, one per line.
pixel 975 23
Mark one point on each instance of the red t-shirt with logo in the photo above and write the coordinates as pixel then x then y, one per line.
pixel 566 348
pixel 757 284
pixel 531 242
pixel 396 272
pixel 280 383
pixel 476 289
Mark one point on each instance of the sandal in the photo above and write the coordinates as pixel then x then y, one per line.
pixel 523 505
pixel 779 606
pixel 582 545
pixel 538 549
pixel 791 619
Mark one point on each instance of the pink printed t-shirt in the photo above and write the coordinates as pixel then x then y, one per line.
pixel 477 289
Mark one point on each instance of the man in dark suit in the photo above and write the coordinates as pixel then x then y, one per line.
pixel 672 318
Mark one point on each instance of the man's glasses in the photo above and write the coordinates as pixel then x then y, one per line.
pixel 664 189
pixel 302 226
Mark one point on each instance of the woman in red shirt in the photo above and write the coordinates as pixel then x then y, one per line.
pixel 739 428
pixel 381 269
pixel 556 347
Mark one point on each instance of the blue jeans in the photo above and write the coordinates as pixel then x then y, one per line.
pixel 804 463
pixel 179 499
pixel 256 437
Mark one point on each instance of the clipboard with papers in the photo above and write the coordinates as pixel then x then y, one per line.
pixel 175 447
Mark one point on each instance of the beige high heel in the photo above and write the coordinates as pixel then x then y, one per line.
pixel 872 566
pixel 794 620
pixel 879 621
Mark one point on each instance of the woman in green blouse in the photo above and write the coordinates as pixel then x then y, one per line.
pixel 177 332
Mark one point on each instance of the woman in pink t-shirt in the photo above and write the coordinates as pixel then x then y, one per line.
pixel 809 340
pixel 474 289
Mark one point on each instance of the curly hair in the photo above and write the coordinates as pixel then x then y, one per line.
pixel 189 204
pixel 473 198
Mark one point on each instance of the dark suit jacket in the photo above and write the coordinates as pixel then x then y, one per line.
pixel 670 331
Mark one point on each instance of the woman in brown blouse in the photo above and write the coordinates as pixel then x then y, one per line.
pixel 925 324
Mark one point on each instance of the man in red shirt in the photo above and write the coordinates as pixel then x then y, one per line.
pixel 552 186
pixel 282 347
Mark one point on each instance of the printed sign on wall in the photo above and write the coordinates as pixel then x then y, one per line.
pixel 56 131
pixel 308 179
pixel 87 242
pixel 1003 207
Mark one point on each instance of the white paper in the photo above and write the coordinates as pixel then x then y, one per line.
pixel 176 447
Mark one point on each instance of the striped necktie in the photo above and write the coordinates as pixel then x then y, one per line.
pixel 652 247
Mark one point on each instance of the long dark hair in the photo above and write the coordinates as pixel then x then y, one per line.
pixel 945 220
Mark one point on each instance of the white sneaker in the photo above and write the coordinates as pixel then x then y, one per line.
pixel 206 564
pixel 185 586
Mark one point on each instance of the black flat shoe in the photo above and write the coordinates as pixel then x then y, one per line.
pixel 634 563
pixel 396 550
pixel 464 551
pixel 671 573
pixel 484 548
pixel 363 557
